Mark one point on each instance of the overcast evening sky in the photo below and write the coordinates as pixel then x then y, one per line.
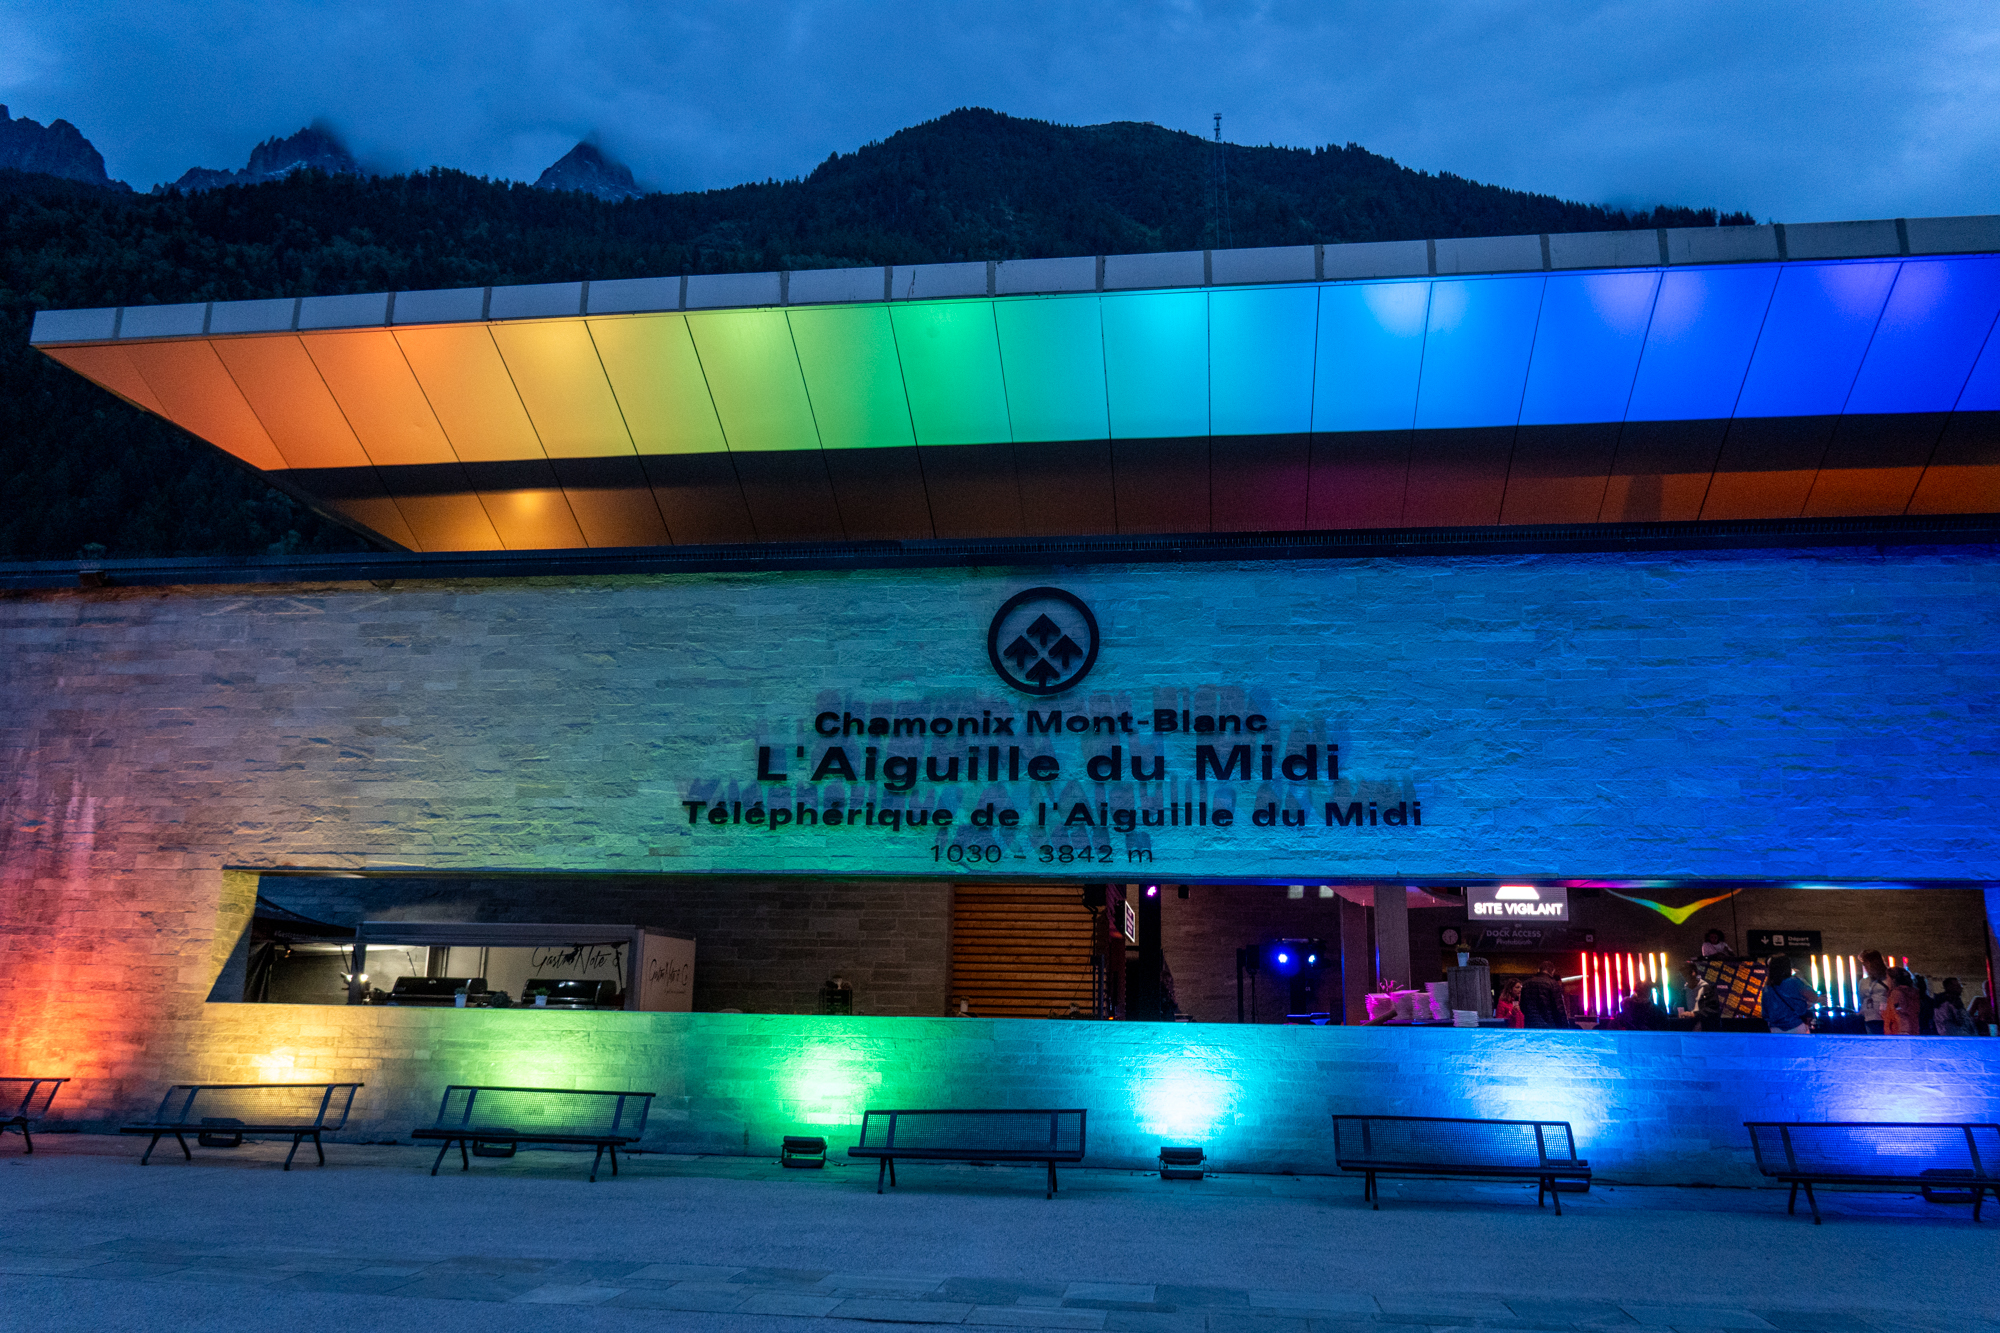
pixel 1793 111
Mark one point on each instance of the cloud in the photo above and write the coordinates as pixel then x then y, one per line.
pixel 1790 110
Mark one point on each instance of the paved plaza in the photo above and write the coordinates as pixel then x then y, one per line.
pixel 90 1240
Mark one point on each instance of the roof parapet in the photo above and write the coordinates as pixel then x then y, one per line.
pixel 1449 257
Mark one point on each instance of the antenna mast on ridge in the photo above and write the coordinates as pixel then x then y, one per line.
pixel 1218 191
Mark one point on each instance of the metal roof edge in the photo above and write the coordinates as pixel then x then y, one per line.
pixel 384 569
pixel 1881 238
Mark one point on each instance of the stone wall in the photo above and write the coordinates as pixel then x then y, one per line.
pixel 1646 1106
pixel 1801 716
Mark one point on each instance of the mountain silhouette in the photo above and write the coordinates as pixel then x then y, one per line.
pixel 586 168
pixel 312 148
pixel 56 149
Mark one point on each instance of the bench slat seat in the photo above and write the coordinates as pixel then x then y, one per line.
pixel 971 1135
pixel 1443 1147
pixel 1926 1155
pixel 23 1101
pixel 474 1115
pixel 264 1108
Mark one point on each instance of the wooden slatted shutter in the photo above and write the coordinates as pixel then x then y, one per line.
pixel 1020 950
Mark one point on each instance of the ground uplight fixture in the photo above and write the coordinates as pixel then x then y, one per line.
pixel 803 1152
pixel 1181 1163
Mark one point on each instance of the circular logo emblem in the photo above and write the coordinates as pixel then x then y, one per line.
pixel 1043 640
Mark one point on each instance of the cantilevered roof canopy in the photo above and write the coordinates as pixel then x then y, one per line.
pixel 1730 373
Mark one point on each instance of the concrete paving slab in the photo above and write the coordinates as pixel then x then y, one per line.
pixel 901 1312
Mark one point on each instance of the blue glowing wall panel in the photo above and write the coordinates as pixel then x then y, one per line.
pixel 1476 348
pixel 1156 364
pixel 1370 356
pixel 1814 337
pixel 1982 390
pixel 1705 325
pixel 1261 360
pixel 1052 353
pixel 1939 315
pixel 1587 345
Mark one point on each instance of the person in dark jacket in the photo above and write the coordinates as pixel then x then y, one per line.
pixel 1543 1004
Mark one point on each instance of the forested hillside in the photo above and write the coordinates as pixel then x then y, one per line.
pixel 83 470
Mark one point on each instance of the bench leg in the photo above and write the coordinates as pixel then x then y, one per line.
pixel 1813 1201
pixel 181 1139
pixel 1792 1203
pixel 1978 1196
pixel 30 1138
pixel 465 1158
pixel 1374 1191
pixel 594 1161
pixel 614 1159
pixel 443 1148
pixel 1554 1197
pixel 147 1156
pixel 1052 1182
pixel 319 1148
pixel 295 1152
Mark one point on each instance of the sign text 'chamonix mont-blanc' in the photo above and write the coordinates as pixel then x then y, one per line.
pixel 1039 782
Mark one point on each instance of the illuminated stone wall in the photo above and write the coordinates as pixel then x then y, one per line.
pixel 1800 715
pixel 1646 1106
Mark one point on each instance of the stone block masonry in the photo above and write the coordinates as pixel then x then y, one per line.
pixel 1652 1107
pixel 1804 716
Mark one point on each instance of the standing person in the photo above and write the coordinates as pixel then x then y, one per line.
pixel 1543 1004
pixel 1873 991
pixel 1788 1001
pixel 1901 1011
pixel 1949 1018
pixel 1508 1010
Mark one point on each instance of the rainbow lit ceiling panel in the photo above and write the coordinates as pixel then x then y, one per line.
pixel 1754 390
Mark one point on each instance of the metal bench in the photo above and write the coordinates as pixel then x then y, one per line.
pixel 970 1136
pixel 1438 1147
pixel 496 1122
pixel 32 1103
pixel 220 1114
pixel 1962 1158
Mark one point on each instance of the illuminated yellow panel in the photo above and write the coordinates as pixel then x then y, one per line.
pixel 658 383
pixel 289 397
pixel 563 386
pixel 469 389
pixel 199 397
pixel 110 367
pixel 379 397
pixel 848 354
pixel 753 376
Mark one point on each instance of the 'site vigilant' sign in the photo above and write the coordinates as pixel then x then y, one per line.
pixel 1516 902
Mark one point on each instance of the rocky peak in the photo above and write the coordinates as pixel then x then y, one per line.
pixel 586 168
pixel 312 148
pixel 57 149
